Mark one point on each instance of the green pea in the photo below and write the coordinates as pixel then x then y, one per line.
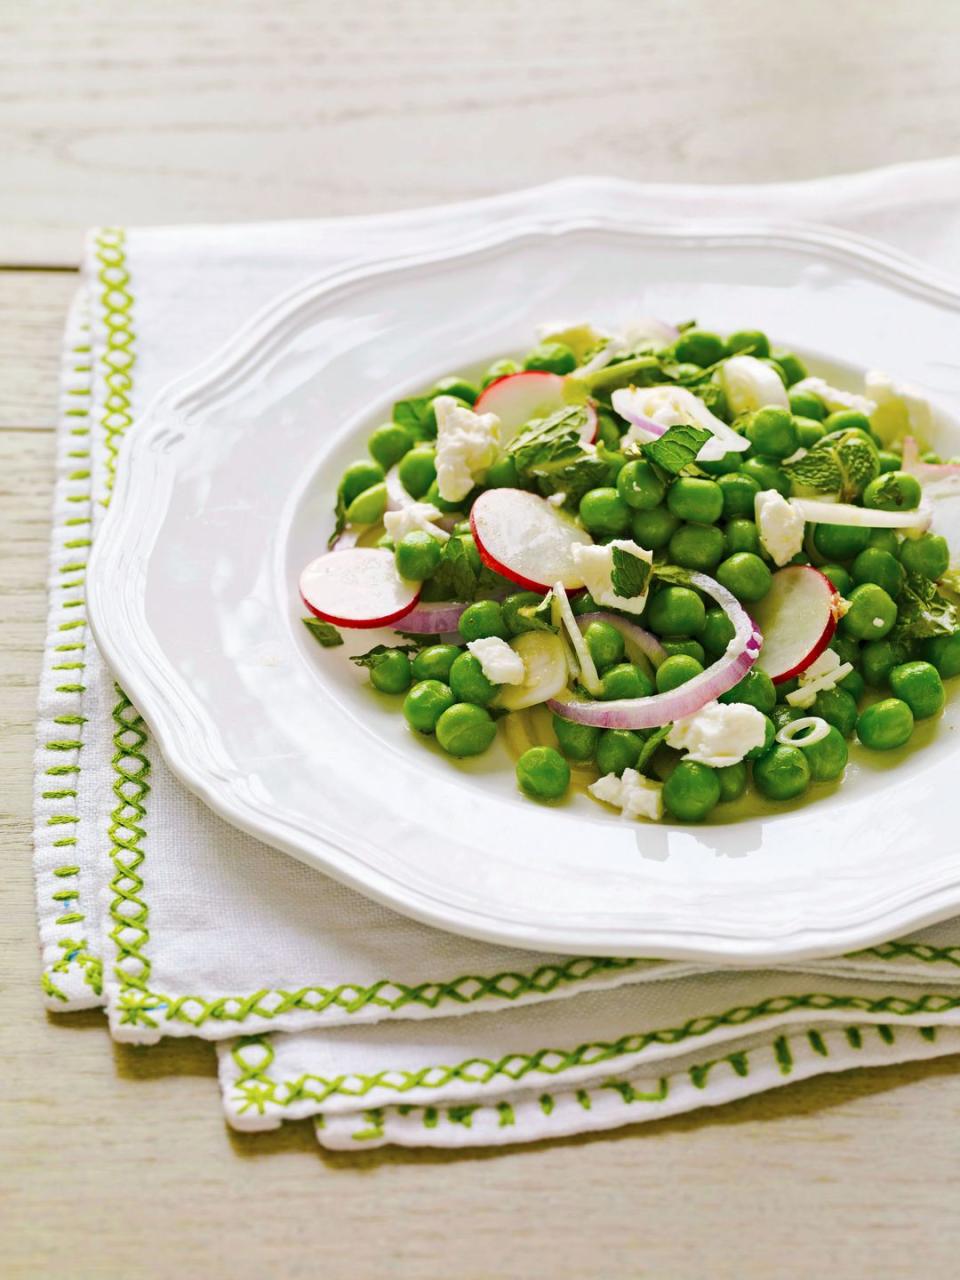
pixel 930 455
pixel 442 504
pixel 767 474
pixel 794 370
pixel 771 431
pixel 583 603
pixel 618 749
pixel 615 461
pixel 465 730
pixel 624 681
pixel 499 369
pixel 838 576
pixel 840 541
pixel 769 734
pixel 742 535
pixel 729 464
pixel 454 386
pixel 809 431
pixel 783 714
pixel 879 567
pixel 750 342
pixel 877 659
pixel 417 555
pixel 871 615
pixel 804 404
pixel 513 619
pixel 609 429
pixel 886 725
pixel 847 420
pixel 698 546
pixel 691 791
pixel 576 741
pixel 929 555
pixel 733 781
pixel 675 671
pixel 604 512
pixel 389 443
pixel 697 346
pixel 837 707
pixel 755 688
pixel 827 757
pixel 502 474
pixel 782 774
pixel 640 486
pixel 854 683
pixel 368 507
pixel 385 542
pixel 893 491
pixel 468 681
pixel 358 477
pixel 889 461
pixel 738 492
pixel 417 470
pixel 391 672
pixel 676 611
pixel 690 648
pixel 543 774
pixel 551 357
pixel 846 647
pixel 482 619
pixel 746 576
pixel 717 632
pixel 885 540
pixel 434 662
pixel 700 501
pixel 425 704
pixel 919 685
pixel 653 529
pixel 605 644
pixel 943 652
pixel 786 687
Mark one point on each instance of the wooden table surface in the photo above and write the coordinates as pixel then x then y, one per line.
pixel 116 1161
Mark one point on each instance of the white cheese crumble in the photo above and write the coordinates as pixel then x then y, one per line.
pixel 595 566
pixel 498 662
pixel 824 672
pixel 411 517
pixel 467 443
pixel 834 397
pixel 779 525
pixel 633 794
pixel 669 406
pixel 720 733
pixel 557 499
pixel 750 384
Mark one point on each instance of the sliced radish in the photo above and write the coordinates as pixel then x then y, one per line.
pixel 526 539
pixel 358 587
pixel 797 618
pixel 545 665
pixel 517 398
pixel 815 511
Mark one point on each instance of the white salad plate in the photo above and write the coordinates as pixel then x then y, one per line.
pixel 226 490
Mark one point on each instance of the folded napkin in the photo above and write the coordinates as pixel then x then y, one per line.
pixel 323 1003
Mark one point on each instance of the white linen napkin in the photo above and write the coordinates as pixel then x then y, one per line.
pixel 180 925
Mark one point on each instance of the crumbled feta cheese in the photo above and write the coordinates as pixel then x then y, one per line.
pixel 824 672
pixel 779 525
pixel 467 443
pixel 750 384
pixel 900 408
pixel 720 733
pixel 411 517
pixel 834 397
pixel 668 406
pixel 633 794
pixel 498 662
pixel 595 565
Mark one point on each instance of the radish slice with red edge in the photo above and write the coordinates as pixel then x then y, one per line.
pixel 817 512
pixel 644 641
pixel 434 619
pixel 944 475
pixel 357 587
pixel 798 617
pixel 686 699
pixel 517 398
pixel 526 539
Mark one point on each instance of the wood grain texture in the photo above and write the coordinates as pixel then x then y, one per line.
pixel 115 1160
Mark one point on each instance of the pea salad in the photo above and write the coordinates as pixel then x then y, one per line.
pixel 669 566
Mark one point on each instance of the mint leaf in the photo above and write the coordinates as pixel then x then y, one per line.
pixel 340 520
pixel 539 617
pixel 649 748
pixel 373 657
pixel 630 574
pixel 417 416
pixel 677 447
pixel 923 612
pixel 549 444
pixel 672 574
pixel 818 471
pixel 324 633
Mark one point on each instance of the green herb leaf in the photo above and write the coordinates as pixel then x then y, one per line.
pixel 456 577
pixel 672 574
pixel 340 520
pixel 415 414
pixel 649 748
pixel 818 471
pixel 549 444
pixel 630 574
pixel 677 447
pixel 324 633
pixel 539 617
pixel 374 656
pixel 923 612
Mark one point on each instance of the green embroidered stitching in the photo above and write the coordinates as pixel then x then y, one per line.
pixel 119 358
pixel 916 950
pixel 516 1066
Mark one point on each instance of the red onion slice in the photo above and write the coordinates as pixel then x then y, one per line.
pixel 434 619
pixel 927 472
pixel 645 641
pixel 663 708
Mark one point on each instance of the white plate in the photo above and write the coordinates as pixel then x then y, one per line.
pixel 226 489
